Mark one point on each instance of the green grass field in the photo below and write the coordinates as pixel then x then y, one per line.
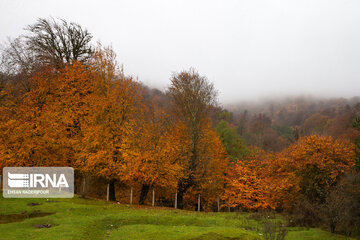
pixel 79 218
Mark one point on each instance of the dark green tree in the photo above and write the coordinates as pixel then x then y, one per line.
pixel 231 140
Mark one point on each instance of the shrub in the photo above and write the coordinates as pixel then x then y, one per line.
pixel 274 230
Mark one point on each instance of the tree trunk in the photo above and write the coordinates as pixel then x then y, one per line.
pixel 176 201
pixel 107 192
pixel 131 195
pixel 180 197
pixel 198 206
pixel 153 197
pixel 183 186
pixel 83 187
pixel 112 190
pixel 144 191
pixel 332 227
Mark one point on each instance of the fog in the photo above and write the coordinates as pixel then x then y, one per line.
pixel 249 49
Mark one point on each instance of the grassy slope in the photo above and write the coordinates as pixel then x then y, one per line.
pixel 95 219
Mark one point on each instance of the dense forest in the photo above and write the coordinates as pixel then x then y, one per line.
pixel 66 102
pixel 274 124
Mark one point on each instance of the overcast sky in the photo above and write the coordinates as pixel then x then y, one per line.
pixel 248 48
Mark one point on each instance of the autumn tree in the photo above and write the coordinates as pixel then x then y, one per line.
pixel 305 171
pixel 7 114
pixel 311 166
pixel 47 119
pixel 159 149
pixel 244 188
pixel 247 185
pixel 209 174
pixel 109 128
pixel 192 96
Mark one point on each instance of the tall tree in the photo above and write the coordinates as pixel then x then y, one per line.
pixel 209 175
pixel 192 97
pixel 109 127
pixel 158 152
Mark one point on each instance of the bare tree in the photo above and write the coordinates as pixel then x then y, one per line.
pixel 59 42
pixel 47 42
pixel 192 97
pixel 16 57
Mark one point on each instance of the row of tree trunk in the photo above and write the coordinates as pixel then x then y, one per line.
pixel 110 195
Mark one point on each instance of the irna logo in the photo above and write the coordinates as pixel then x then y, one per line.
pixel 38 182
pixel 18 180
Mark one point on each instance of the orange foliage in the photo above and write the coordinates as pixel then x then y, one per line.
pixel 108 128
pixel 246 185
pixel 47 119
pixel 309 166
pixel 159 148
pixel 209 174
